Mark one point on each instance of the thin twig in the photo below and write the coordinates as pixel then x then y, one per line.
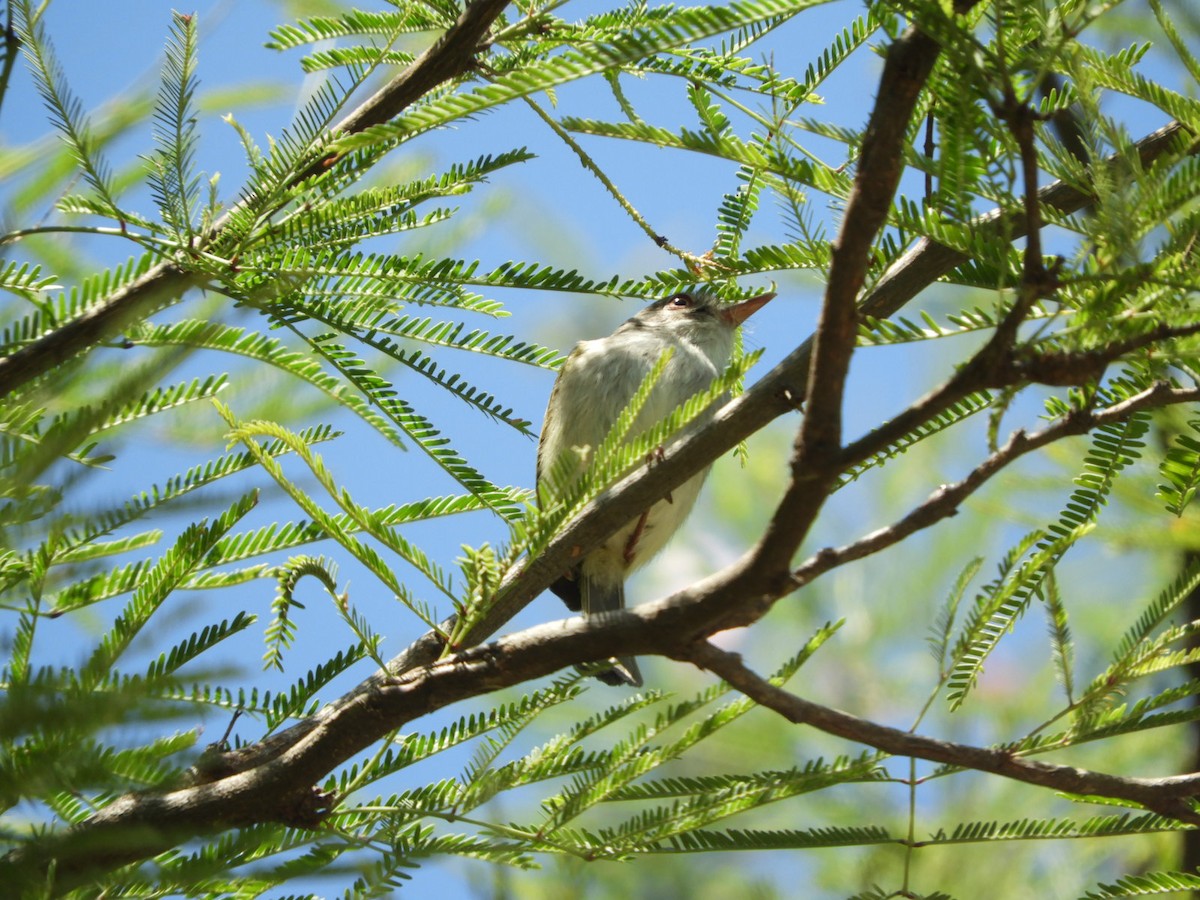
pixel 585 160
pixel 946 500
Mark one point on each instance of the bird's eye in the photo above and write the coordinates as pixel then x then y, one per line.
pixel 681 301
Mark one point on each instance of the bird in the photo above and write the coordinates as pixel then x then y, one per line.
pixel 594 385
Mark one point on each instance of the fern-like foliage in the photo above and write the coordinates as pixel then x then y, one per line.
pixel 1145 885
pixel 280 330
pixel 173 176
pixel 64 107
pixel 1181 469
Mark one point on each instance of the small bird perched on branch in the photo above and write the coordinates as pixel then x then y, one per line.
pixel 594 386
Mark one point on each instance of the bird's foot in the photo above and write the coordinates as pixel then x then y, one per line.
pixel 631 544
pixel 657 455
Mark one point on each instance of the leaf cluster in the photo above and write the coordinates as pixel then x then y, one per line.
pixel 311 275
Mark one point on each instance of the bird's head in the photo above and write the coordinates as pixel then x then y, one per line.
pixel 699 317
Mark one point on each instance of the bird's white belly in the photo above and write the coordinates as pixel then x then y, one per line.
pixel 661 522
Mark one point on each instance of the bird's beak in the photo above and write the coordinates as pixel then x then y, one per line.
pixel 740 312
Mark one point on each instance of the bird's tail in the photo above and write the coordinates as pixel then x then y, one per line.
pixel 606 594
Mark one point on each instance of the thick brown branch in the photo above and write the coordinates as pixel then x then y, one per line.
pixel 159 287
pixel 451 57
pixel 140 825
pixel 1165 796
pixel 910 61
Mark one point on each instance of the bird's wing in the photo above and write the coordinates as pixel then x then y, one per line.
pixel 551 428
pixel 567 586
pixel 547 422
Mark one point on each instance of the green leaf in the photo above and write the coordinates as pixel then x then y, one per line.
pixel 158 582
pixel 64 107
pixel 1181 469
pixel 682 26
pixel 173 177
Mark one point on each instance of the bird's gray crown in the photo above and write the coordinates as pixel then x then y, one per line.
pixel 684 310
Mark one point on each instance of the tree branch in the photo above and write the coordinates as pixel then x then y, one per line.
pixel 272 780
pixel 946 500
pixel 909 62
pixel 995 366
pixel 1165 796
pixel 780 391
pixel 280 789
pixel 451 56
